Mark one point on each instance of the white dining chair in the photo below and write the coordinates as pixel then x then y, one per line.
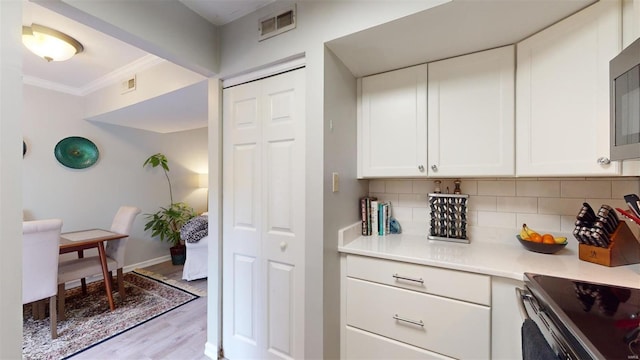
pixel 40 249
pixel 85 267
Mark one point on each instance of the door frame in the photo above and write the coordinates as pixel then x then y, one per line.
pixel 213 347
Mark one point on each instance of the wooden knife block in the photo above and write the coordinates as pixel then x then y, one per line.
pixel 624 249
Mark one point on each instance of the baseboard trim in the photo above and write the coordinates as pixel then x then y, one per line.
pixel 143 264
pixel 126 269
pixel 211 350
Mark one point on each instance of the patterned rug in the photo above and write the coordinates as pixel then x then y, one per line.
pixel 89 321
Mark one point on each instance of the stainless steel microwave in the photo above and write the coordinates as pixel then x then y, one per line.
pixel 624 72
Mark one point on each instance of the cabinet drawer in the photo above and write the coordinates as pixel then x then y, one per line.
pixel 364 345
pixel 454 284
pixel 445 326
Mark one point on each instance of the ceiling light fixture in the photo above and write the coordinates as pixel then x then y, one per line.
pixel 50 44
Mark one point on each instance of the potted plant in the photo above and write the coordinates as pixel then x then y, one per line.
pixel 166 222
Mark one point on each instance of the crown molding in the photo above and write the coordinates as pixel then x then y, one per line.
pixel 118 75
pixel 50 85
pixel 111 78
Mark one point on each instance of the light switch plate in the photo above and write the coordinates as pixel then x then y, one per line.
pixel 335 182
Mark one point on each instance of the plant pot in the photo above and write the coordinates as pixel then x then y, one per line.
pixel 178 254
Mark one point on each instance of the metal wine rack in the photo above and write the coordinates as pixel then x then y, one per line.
pixel 448 217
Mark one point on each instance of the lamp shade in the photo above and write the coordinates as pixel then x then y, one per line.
pixel 50 44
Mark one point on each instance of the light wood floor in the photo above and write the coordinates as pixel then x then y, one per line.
pixel 180 334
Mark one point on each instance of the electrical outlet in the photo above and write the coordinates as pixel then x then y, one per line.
pixel 335 180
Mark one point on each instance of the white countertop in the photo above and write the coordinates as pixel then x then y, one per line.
pixel 498 254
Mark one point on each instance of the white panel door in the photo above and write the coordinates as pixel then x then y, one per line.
pixel 392 124
pixel 263 218
pixel 562 95
pixel 242 250
pixel 472 114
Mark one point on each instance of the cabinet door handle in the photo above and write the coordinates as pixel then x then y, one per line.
pixel 398 277
pixel 419 322
pixel 434 168
pixel 604 161
pixel 421 168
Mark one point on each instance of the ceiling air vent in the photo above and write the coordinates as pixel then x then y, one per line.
pixel 273 25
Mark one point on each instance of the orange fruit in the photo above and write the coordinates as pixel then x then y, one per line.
pixel 548 239
pixel 535 237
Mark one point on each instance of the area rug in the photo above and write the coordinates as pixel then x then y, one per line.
pixel 180 284
pixel 89 321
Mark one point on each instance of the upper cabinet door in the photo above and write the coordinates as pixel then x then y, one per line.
pixel 562 112
pixel 471 114
pixel 392 124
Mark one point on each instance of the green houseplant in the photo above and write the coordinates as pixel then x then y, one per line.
pixel 167 221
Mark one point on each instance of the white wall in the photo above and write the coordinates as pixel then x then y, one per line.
pixel 167 29
pixel 88 198
pixel 545 204
pixel 630 21
pixel 318 22
pixel 340 208
pixel 161 78
pixel 10 177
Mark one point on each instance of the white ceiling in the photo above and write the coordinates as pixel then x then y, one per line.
pixel 451 29
pixel 220 12
pixel 458 27
pixel 102 54
pixel 179 110
pixel 104 58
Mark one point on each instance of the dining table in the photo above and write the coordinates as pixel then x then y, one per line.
pixel 92 238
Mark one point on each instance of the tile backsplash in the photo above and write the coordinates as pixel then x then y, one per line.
pixel 549 204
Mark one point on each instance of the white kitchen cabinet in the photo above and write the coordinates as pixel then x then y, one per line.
pixel 410 310
pixel 471 114
pixel 365 345
pixel 562 95
pixel 392 127
pixel 463 125
pixel 506 320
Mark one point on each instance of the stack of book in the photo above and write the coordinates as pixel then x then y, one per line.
pixel 376 216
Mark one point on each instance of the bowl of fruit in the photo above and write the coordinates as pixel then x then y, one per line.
pixel 545 243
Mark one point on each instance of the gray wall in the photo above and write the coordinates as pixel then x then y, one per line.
pixel 340 208
pixel 241 52
pixel 88 198
pixel 318 22
pixel 10 177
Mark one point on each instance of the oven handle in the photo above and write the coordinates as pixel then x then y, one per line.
pixel 521 296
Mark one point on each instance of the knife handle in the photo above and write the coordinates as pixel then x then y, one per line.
pixel 576 234
pixel 634 203
pixel 629 216
pixel 611 213
pixel 601 237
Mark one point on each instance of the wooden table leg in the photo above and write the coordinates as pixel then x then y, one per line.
pixel 83 281
pixel 106 274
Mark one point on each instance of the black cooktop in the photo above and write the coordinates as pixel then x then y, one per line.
pixel 601 317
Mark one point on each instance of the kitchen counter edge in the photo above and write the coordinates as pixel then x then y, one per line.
pixel 496 255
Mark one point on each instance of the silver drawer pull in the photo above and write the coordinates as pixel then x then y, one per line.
pixel 419 322
pixel 398 277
